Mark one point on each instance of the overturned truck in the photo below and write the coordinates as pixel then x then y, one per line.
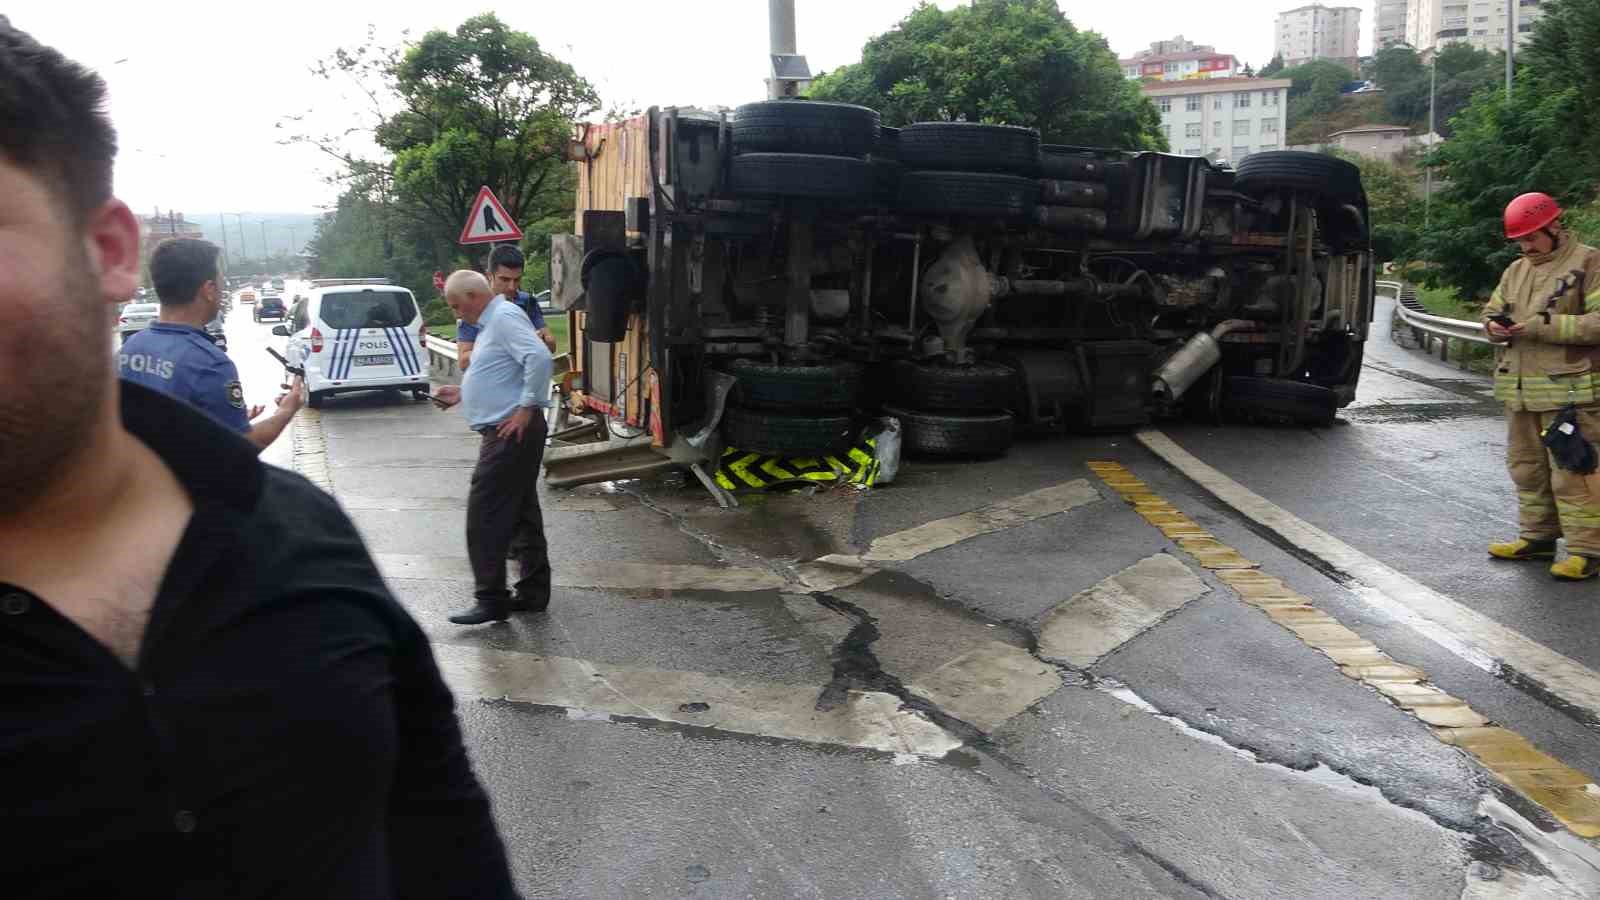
pixel 779 274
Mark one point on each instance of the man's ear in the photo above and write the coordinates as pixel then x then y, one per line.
pixel 111 238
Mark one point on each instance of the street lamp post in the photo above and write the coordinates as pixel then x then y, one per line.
pixel 1427 170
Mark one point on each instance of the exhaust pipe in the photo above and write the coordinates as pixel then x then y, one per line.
pixel 1193 359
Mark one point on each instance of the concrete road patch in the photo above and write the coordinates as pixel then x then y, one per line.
pixel 1083 629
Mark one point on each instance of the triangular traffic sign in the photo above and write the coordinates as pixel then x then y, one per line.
pixel 488 222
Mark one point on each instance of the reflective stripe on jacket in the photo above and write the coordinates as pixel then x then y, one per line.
pixel 1556 360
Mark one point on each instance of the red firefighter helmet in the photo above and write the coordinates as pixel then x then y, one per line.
pixel 1529 213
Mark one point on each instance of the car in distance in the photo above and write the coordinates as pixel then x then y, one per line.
pixel 270 307
pixel 136 317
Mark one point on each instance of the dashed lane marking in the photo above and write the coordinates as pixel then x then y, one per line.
pixel 1085 628
pixel 1568 794
pixel 1465 632
pixel 869 720
pixel 605 575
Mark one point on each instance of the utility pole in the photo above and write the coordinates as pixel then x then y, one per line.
pixel 264 251
pixel 222 219
pixel 1427 171
pixel 1511 44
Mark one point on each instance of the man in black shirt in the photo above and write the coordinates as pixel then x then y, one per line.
pixel 206 691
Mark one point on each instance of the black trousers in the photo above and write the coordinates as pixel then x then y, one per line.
pixel 503 513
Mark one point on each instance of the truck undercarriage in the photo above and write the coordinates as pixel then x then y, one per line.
pixel 795 268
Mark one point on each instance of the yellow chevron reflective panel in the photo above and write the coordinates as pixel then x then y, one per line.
pixel 771 467
pixel 742 470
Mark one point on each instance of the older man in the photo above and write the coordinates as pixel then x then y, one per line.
pixel 209 690
pixel 503 396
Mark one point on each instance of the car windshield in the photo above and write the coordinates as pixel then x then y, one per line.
pixel 368 309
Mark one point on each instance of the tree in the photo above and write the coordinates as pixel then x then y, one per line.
pixel 1541 140
pixel 1399 70
pixel 1315 89
pixel 1393 205
pixel 1019 62
pixel 1273 67
pixel 449 113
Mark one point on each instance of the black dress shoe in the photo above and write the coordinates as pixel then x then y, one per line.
pixel 524 604
pixel 481 613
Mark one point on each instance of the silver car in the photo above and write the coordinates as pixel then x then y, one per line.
pixel 136 317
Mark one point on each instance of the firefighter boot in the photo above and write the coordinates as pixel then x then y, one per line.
pixel 1576 568
pixel 1522 548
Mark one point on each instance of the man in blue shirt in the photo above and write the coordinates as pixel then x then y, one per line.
pixel 176 357
pixel 505 279
pixel 503 396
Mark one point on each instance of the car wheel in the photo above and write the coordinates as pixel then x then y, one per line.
pixel 983 386
pixel 781 434
pixel 969 193
pixel 315 399
pixel 1278 400
pixel 954 435
pixel 804 126
pixel 800 175
pixel 796 388
pixel 969 147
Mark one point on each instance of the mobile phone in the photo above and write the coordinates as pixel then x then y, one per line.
pixel 1502 320
pixel 439 403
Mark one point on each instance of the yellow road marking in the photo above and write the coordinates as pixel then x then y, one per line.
pixel 1569 795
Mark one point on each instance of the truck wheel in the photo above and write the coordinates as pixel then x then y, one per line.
pixel 800 175
pixel 940 434
pixel 796 388
pixel 1328 177
pixel 785 435
pixel 983 386
pixel 1278 399
pixel 970 147
pixel 804 126
pixel 888 145
pixel 969 193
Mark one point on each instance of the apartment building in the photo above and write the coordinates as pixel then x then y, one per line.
pixel 1224 118
pixel 1481 23
pixel 1389 26
pixel 1179 59
pixel 1319 32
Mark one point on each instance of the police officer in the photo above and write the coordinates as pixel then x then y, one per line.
pixel 1546 316
pixel 505 279
pixel 175 356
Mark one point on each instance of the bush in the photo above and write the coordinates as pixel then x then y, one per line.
pixel 436 312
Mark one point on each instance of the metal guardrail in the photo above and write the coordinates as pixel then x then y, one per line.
pixel 1427 328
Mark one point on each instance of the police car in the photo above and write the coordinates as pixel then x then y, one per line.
pixel 357 334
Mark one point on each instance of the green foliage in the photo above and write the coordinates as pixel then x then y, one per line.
pixel 1541 140
pixel 1404 77
pixel 1271 69
pixel 482 104
pixel 1019 62
pixel 1314 92
pixel 436 313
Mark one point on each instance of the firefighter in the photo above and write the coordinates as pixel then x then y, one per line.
pixel 1545 315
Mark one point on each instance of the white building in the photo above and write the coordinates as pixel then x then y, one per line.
pixel 1178 59
pixel 1225 118
pixel 1481 23
pixel 1319 32
pixel 1389 27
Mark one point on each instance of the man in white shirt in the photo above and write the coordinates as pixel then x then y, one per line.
pixel 503 396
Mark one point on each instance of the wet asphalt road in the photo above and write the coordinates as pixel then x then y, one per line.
pixel 1210 754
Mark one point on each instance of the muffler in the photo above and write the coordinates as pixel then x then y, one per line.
pixel 1193 359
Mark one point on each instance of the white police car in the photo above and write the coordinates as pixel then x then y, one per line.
pixel 357 334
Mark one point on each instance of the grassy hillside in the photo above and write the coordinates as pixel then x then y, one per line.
pixel 1353 110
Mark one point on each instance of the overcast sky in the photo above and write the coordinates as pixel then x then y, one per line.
pixel 197 87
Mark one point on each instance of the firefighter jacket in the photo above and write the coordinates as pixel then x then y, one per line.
pixel 1556 361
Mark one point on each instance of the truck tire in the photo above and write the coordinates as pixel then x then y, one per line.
pixel 1278 399
pixel 969 194
pixel 888 145
pixel 801 175
pixel 804 126
pixel 780 434
pixel 970 147
pixel 942 434
pixel 796 388
pixel 1318 174
pixel 982 386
